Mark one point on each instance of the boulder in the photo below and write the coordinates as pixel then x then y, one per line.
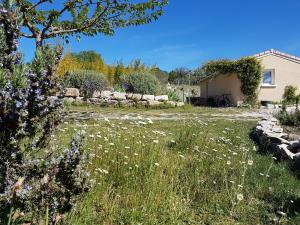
pixel 171 103
pixel 96 94
pixel 79 100
pixel 106 94
pixel 72 92
pixel 118 96
pixel 154 103
pixel 179 104
pixel 148 97
pixel 284 152
pixel 161 98
pixel 136 97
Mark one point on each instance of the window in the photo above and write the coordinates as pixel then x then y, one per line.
pixel 268 78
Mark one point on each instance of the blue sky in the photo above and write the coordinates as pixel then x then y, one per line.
pixel 194 31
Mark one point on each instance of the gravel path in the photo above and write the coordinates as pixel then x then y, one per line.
pixel 248 116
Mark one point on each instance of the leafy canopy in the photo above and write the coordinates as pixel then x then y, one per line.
pixel 45 19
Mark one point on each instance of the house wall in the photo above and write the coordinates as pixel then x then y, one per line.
pixel 286 72
pixel 222 84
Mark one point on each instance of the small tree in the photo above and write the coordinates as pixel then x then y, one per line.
pixel 289 95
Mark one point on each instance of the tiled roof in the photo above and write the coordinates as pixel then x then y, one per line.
pixel 277 53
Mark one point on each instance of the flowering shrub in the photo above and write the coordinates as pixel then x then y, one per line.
pixel 35 183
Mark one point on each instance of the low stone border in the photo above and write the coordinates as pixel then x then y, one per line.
pixel 270 136
pixel 108 98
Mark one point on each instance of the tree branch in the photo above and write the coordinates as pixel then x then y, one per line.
pixel 36 4
pixel 87 25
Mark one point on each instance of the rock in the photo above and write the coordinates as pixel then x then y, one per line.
pixel 96 94
pixel 179 104
pixel 126 103
pixel 119 96
pixel 129 95
pixel 284 152
pixel 277 129
pixel 106 94
pixel 136 97
pixel 297 156
pixel 161 98
pixel 72 92
pixel 111 102
pixel 276 138
pixel 79 100
pixel 93 100
pixel 154 103
pixel 147 97
pixel 171 103
pixel 142 103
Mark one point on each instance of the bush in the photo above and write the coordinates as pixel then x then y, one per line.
pixel 37 180
pixel 87 81
pixel 173 96
pixel 289 119
pixel 140 82
pixel 289 95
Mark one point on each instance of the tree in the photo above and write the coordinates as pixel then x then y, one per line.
pixel 87 17
pixel 67 64
pixel 179 76
pixel 119 71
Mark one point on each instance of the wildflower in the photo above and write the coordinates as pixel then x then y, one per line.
pixel 228 163
pixel 239 197
pixel 111 144
pixel 250 162
pixel 156 141
pixel 150 121
pixel 105 171
pixel 156 164
pixel 127 147
pixel 91 136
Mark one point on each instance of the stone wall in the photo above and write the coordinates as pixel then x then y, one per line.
pixel 271 138
pixel 108 98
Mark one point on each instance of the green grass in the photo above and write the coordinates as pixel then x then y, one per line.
pixel 155 111
pixel 193 172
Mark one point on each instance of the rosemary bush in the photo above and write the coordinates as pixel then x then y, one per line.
pixel 37 183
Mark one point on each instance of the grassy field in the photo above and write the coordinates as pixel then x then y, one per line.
pixel 191 172
pixel 155 111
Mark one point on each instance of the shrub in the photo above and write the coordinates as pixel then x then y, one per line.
pixel 173 96
pixel 140 82
pixel 37 182
pixel 289 119
pixel 87 81
pixel 289 95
